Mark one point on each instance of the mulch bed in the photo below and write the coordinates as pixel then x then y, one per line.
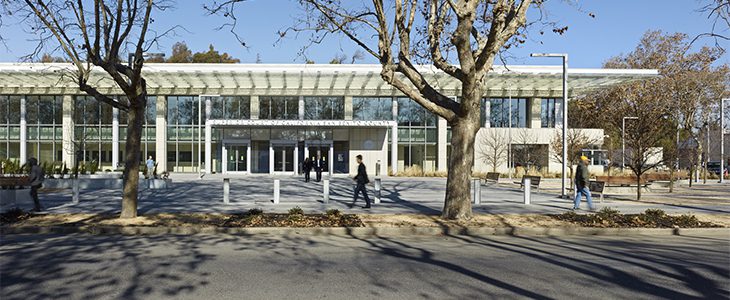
pixel 651 218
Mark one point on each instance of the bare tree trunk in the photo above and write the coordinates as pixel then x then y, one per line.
pixel 132 159
pixel 638 187
pixel 458 199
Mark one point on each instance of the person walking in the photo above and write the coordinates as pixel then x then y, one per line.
pixel 581 184
pixel 306 167
pixel 361 179
pixel 318 167
pixel 35 179
pixel 150 167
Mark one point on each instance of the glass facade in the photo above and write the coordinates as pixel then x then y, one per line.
pixel 10 127
pixel 548 112
pixel 93 130
pixel 504 112
pixel 183 133
pixel 324 108
pixel 279 108
pixel 417 136
pixel 231 108
pixel 44 127
pixel 372 108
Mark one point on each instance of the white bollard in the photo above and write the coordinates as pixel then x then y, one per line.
pixel 527 190
pixel 226 190
pixel 476 190
pixel 326 191
pixel 277 184
pixel 75 189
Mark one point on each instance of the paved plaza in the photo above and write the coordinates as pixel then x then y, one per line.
pixel 399 195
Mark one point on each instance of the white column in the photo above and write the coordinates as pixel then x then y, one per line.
pixel 331 155
pixel 208 137
pixel 348 108
pixel 254 107
pixel 301 108
pixel 248 158
pixel 115 138
pixel 68 153
pixel 224 159
pixel 394 138
pixel 161 134
pixel 442 143
pixel 296 159
pixel 271 158
pixel 23 132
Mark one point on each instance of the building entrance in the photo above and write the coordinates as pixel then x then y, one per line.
pixel 283 158
pixel 237 160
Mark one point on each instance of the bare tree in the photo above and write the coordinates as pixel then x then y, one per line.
pixel 719 12
pixel 577 140
pixel 493 149
pixel 471 33
pixel 94 37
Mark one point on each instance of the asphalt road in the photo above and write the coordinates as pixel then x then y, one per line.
pixel 329 267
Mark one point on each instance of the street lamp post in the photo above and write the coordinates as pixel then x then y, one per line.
pixel 722 139
pixel 623 141
pixel 564 56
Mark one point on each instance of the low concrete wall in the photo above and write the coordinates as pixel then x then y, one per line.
pixel 10 198
pixel 105 183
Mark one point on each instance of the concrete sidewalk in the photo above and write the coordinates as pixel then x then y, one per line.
pixel 399 195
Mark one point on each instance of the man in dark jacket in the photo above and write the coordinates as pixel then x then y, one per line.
pixel 319 165
pixel 306 167
pixel 362 179
pixel 35 179
pixel 581 184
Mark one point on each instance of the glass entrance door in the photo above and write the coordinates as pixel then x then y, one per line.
pixel 283 158
pixel 323 152
pixel 237 160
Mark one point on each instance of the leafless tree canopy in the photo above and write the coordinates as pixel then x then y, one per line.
pixel 493 149
pixel 719 12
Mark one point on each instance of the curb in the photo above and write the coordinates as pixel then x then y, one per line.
pixel 367 231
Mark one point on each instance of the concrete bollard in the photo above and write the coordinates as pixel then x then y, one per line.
pixel 326 191
pixel 378 187
pixel 75 189
pixel 476 190
pixel 277 184
pixel 527 190
pixel 226 190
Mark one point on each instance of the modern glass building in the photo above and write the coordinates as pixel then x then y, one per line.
pixel 262 118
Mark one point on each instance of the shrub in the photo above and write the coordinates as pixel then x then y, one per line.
pixel 607 213
pixel 296 211
pixel 255 212
pixel 333 213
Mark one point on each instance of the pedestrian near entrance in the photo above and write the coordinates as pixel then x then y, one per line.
pixel 361 179
pixel 35 179
pixel 319 166
pixel 150 167
pixel 306 167
pixel 581 184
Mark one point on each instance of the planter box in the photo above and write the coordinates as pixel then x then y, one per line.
pixel 156 184
pixel 10 199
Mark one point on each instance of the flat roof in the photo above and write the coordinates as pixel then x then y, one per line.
pixel 307 79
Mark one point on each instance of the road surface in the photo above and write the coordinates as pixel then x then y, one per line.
pixel 83 266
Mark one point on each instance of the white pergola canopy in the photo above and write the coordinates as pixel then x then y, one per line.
pixel 305 79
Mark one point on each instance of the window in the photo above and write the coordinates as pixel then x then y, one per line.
pixel 548 112
pixel 508 112
pixel 411 113
pixel 324 108
pixel 231 108
pixel 278 108
pixel 372 109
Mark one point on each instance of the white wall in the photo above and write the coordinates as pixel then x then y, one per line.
pixel 371 143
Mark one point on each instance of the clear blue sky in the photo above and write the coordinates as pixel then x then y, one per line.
pixel 618 26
